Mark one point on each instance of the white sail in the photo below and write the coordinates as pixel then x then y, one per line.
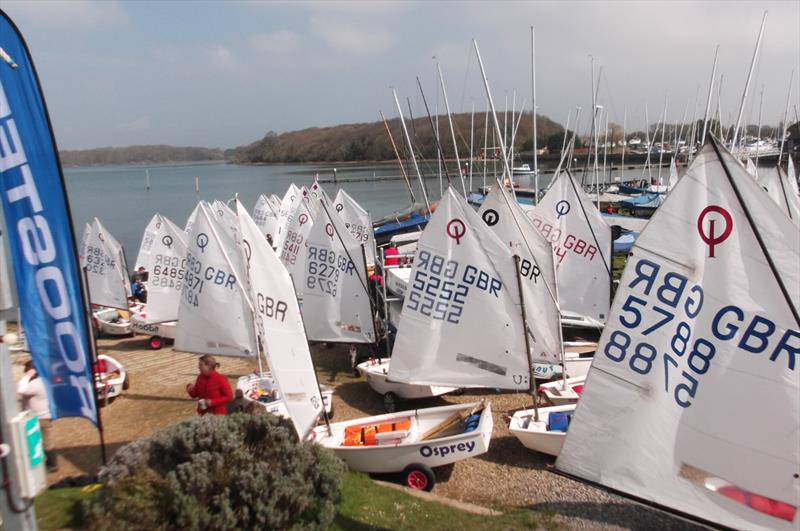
pixel 358 222
pixel 751 168
pixel 106 273
pixel 215 315
pixel 673 174
pixel 265 216
pixel 505 217
pixel 581 249
pixel 191 219
pixel 225 217
pixel 777 186
pixel 292 250
pixel 336 305
pixel 288 204
pixel 275 201
pixel 316 191
pixel 280 326
pixel 792 176
pixel 163 254
pixel 287 220
pixel 461 323
pixel 692 399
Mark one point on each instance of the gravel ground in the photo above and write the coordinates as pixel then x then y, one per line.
pixel 508 474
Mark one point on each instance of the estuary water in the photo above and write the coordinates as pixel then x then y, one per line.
pixel 117 195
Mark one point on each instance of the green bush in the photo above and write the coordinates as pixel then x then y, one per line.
pixel 214 472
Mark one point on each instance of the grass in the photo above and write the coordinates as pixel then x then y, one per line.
pixel 56 508
pixel 365 505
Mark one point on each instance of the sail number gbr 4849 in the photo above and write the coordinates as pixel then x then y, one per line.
pixel 666 314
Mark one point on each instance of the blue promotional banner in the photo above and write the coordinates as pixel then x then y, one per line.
pixel 39 231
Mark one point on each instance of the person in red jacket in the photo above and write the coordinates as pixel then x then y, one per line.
pixel 211 389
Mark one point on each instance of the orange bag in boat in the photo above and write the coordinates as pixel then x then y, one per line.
pixel 364 435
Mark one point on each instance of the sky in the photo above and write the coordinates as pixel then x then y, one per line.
pixel 223 74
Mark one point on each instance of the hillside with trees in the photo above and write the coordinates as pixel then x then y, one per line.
pixel 370 142
pixel 157 154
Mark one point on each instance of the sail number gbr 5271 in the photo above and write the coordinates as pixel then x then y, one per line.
pixel 660 316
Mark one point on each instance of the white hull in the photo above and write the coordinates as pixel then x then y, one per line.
pixel 261 389
pixel 109 383
pixel 110 322
pixel 574 320
pixel 164 330
pixel 560 395
pixel 534 435
pixel 395 456
pixel 376 373
pixel 576 358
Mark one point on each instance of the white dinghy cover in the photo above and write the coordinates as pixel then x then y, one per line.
pixel 265 216
pixel 280 326
pixel 358 222
pixel 102 257
pixel 215 314
pixel 336 305
pixel 163 254
pixel 461 323
pixel 692 399
pixel 581 249
pixel 505 217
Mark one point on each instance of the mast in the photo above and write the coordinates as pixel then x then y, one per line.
pixel 452 130
pixel 485 142
pixel 435 128
pixel 710 91
pixel 693 131
pixel 758 134
pixel 399 160
pixel 785 118
pixel 661 151
pixel 605 157
pixel 533 116
pixel 528 341
pixel 563 143
pixel 624 145
pixel 647 139
pixel 147 178
pixel 471 143
pixel 494 114
pixel 747 84
pixel 411 150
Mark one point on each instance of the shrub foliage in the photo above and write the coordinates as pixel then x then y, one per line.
pixel 213 472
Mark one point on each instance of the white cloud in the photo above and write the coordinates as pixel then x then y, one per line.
pixel 352 39
pixel 60 13
pixel 223 59
pixel 280 43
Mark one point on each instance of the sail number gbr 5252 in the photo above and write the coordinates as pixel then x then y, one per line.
pixel 661 315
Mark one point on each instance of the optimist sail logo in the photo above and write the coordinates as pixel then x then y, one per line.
pixel 714 236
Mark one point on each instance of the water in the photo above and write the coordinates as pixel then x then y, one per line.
pixel 117 196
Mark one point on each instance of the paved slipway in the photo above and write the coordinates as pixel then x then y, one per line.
pixel 508 475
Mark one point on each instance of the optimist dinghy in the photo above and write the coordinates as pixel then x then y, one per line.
pixel 163 255
pixel 110 378
pixel 262 389
pixel 545 435
pixel 413 441
pixel 563 392
pixel 692 402
pixel 376 372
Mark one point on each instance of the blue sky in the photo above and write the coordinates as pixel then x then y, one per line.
pixel 221 74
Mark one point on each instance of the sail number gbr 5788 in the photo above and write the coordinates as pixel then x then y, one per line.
pixel 660 316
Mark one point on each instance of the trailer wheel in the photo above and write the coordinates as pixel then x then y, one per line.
pixel 419 477
pixel 126 383
pixel 390 402
pixel 156 342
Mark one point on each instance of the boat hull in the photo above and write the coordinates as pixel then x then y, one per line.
pixel 431 453
pixel 376 374
pixel 255 385
pixel 534 435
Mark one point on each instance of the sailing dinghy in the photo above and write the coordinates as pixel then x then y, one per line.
pixel 692 402
pixel 103 260
pixel 163 255
pixel 582 247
